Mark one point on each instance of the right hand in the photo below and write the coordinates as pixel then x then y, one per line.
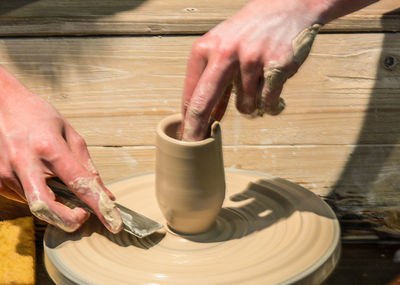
pixel 37 143
pixel 257 49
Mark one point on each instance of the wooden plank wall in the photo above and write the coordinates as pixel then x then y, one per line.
pixel 338 137
pixel 105 17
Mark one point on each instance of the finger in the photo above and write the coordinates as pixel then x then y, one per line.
pixel 87 187
pixel 196 65
pixel 206 95
pixel 247 86
pixel 220 109
pixel 43 205
pixel 79 149
pixel 269 100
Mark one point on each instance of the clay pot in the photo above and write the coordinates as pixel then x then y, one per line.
pixel 190 179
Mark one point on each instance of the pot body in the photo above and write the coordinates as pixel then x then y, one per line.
pixel 190 179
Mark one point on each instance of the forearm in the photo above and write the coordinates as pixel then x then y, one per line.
pixel 329 10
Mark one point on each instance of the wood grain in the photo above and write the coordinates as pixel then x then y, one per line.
pixel 129 17
pixel 364 194
pixel 339 135
pixel 315 167
pixel 115 90
pixel 360 182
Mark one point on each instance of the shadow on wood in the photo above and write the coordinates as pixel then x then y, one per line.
pixel 367 198
pixel 367 265
pixel 8 6
pixel 49 64
pixel 91 9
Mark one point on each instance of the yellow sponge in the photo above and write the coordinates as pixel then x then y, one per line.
pixel 17 252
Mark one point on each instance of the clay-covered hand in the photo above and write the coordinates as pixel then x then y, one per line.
pixel 257 50
pixel 37 143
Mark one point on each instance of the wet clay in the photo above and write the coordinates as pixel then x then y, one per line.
pixel 190 181
pixel 91 186
pixel 42 211
pixel 275 75
pixel 269 231
pixel 303 42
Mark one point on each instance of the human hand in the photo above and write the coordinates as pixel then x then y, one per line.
pixel 37 143
pixel 257 49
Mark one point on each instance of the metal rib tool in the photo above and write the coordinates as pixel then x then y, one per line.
pixel 134 223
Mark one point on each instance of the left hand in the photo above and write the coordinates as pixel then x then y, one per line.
pixel 36 143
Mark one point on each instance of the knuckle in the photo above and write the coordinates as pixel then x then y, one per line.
pixel 208 42
pixel 249 61
pixel 84 191
pixel 198 112
pixel 79 141
pixel 43 147
pixel 274 79
pixel 201 46
pixel 227 51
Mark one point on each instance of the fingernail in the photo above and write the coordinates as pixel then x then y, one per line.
pixel 114 220
pixel 277 109
pixel 110 213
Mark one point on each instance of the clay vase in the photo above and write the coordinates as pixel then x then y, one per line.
pixel 190 179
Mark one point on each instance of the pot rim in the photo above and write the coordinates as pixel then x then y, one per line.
pixel 177 118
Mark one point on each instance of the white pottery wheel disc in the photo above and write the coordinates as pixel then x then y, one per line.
pixel 270 231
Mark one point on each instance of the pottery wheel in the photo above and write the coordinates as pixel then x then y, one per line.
pixel 270 231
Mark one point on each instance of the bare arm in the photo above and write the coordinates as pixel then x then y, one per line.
pixel 257 50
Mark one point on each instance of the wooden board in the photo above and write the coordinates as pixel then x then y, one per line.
pixel 360 182
pixel 105 17
pixel 339 135
pixel 115 90
pixel 315 167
